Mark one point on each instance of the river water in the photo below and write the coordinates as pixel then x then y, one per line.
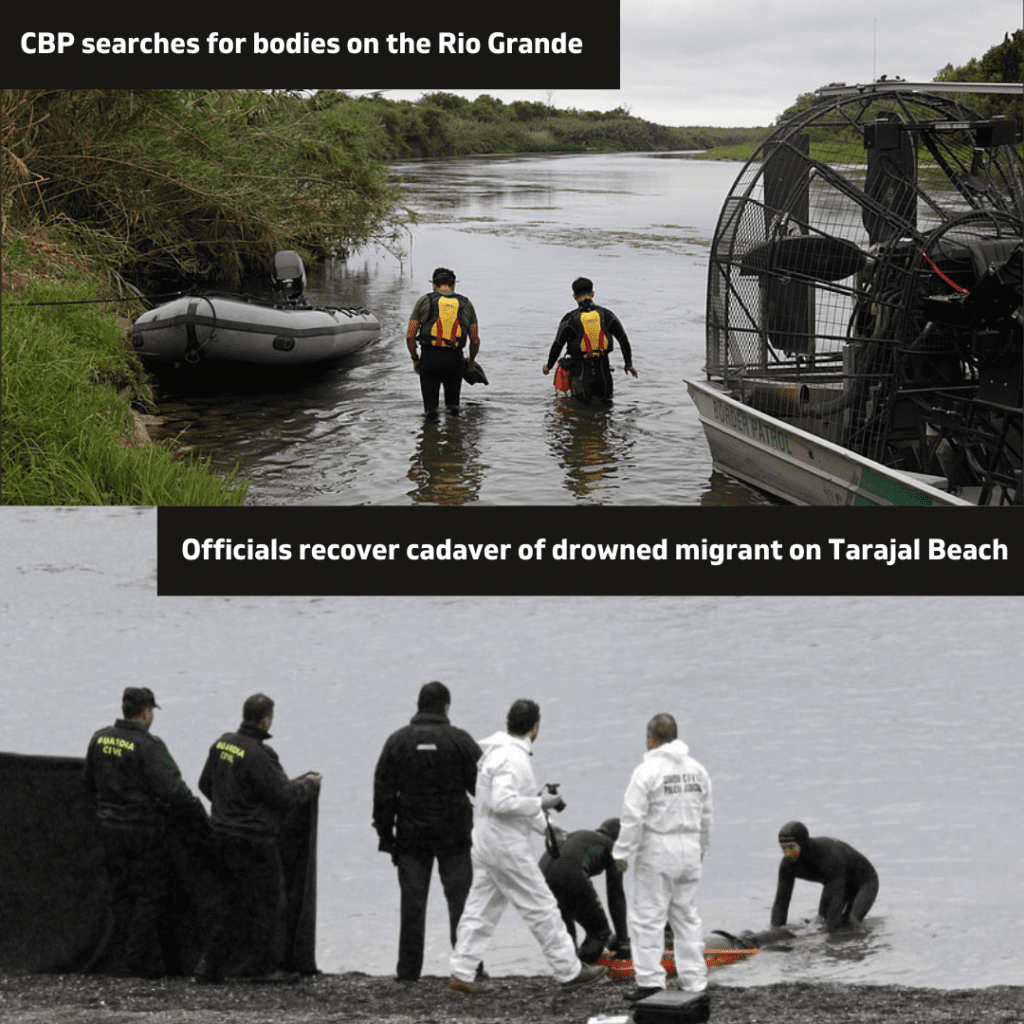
pixel 517 230
pixel 891 723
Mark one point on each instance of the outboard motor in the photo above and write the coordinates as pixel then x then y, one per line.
pixel 288 275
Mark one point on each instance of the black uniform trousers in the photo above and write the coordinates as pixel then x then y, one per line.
pixel 139 873
pixel 440 367
pixel 414 870
pixel 250 910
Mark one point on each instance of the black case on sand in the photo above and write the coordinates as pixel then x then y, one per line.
pixel 673 1007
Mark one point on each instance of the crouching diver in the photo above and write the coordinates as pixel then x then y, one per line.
pixel 850 883
pixel 578 858
pixel 588 332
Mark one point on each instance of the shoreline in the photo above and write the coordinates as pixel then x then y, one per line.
pixel 329 998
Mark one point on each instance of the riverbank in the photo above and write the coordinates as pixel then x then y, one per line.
pixel 327 998
pixel 75 397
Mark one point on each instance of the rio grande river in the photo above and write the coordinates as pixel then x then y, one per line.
pixel 892 723
pixel 517 231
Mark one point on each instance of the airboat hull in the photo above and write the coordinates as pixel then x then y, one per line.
pixel 233 329
pixel 799 467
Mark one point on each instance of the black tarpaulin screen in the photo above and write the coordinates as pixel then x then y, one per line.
pixel 53 883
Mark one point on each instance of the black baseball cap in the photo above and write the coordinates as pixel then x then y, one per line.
pixel 138 698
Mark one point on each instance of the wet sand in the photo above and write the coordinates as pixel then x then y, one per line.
pixel 326 998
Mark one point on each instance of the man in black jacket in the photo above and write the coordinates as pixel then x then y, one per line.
pixel 422 811
pixel 250 796
pixel 578 858
pixel 849 881
pixel 135 788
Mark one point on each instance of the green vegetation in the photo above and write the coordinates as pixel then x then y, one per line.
pixel 441 124
pixel 1001 63
pixel 69 436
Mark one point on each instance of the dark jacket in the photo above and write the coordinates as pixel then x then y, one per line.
pixel 245 783
pixel 421 787
pixel 132 780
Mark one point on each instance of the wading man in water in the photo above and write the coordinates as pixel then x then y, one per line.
pixel 588 332
pixel 850 883
pixel 441 321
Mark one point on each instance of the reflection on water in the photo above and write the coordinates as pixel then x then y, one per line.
pixel 446 466
pixel 591 443
pixel 517 231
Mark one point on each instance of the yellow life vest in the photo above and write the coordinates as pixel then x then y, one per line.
pixel 594 341
pixel 445 327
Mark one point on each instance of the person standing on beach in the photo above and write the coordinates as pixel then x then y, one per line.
pixel 250 796
pixel 504 868
pixel 665 832
pixel 134 785
pixel 849 880
pixel 424 778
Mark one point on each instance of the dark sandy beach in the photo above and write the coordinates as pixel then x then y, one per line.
pixel 76 999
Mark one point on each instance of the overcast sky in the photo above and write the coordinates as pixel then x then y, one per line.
pixel 738 62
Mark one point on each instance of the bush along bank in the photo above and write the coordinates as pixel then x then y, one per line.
pixel 70 435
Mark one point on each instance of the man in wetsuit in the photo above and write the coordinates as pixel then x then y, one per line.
pixel 578 858
pixel 441 321
pixel 136 790
pixel 251 796
pixel 588 332
pixel 424 777
pixel 849 880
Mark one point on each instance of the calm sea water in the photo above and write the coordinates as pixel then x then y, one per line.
pixel 891 723
pixel 517 231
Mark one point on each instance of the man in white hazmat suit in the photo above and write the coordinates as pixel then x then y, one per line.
pixel 666 829
pixel 505 870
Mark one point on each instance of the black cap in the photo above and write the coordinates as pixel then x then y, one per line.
pixel 136 699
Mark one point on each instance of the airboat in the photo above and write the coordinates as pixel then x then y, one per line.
pixel 863 333
pixel 197 326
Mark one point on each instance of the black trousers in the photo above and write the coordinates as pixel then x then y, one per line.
pixel 579 903
pixel 414 870
pixel 139 873
pixel 247 929
pixel 440 367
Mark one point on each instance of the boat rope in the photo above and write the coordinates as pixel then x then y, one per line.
pixel 951 283
pixel 87 302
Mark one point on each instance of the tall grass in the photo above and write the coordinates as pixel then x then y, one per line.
pixel 69 436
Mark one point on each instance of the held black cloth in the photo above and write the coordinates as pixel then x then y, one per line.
pixel 54 894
